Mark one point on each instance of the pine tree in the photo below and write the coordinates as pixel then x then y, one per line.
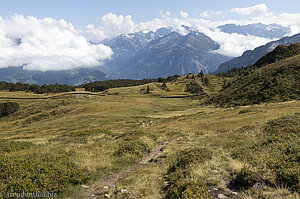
pixel 164 86
pixel 201 74
pixel 148 89
pixel 206 81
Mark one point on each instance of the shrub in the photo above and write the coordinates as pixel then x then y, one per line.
pixel 194 88
pixel 11 146
pixel 189 190
pixel 180 184
pixel 245 178
pixel 132 147
pixel 283 125
pixel 38 173
pixel 132 135
pixel 8 108
pixel 188 156
pixel 277 152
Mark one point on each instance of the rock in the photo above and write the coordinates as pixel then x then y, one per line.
pixel 123 190
pixel 85 186
pixel 213 189
pixel 234 193
pixel 221 196
pixel 215 171
pixel 106 187
pixel 106 196
pixel 258 186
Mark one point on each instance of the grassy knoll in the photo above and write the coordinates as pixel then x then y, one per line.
pixel 65 142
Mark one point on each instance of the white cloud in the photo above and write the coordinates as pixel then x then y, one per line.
pixel 46 44
pixel 217 13
pixel 204 14
pixel 254 10
pixel 231 44
pixel 235 44
pixel 184 14
pixel 111 25
pixel 209 14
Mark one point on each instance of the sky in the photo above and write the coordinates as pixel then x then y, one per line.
pixel 84 12
pixel 56 34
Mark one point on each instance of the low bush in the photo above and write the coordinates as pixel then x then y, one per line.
pixel 277 152
pixel 194 88
pixel 180 184
pixel 188 190
pixel 245 178
pixel 39 173
pixel 8 108
pixel 188 156
pixel 11 146
pixel 136 147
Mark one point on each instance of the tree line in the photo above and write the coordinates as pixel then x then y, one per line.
pixel 103 85
pixel 52 88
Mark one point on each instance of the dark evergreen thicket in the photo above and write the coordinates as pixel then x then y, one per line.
pixel 52 88
pixel 194 88
pixel 103 85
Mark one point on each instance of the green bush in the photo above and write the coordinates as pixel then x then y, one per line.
pixel 38 173
pixel 132 147
pixel 194 88
pixel 188 156
pixel 180 184
pixel 245 179
pixel 131 135
pixel 277 152
pixel 283 125
pixel 189 190
pixel 11 146
pixel 8 108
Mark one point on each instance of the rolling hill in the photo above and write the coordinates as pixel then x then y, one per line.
pixel 275 77
pixel 251 56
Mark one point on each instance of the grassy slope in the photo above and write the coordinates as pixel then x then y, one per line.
pixel 181 122
pixel 278 81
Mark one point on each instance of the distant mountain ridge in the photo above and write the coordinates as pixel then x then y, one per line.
pixel 251 56
pixel 170 54
pixel 256 29
pixel 126 46
pixel 152 54
pixel 70 77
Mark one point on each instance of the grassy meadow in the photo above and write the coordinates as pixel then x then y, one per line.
pixel 61 144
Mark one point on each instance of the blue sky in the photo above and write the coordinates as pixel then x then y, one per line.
pixel 83 12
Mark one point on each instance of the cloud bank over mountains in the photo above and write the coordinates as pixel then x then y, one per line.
pixel 49 44
pixel 46 44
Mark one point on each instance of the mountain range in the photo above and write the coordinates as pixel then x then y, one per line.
pixel 126 46
pixel 256 29
pixel 174 54
pixel 251 56
pixel 160 53
pixel 70 77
